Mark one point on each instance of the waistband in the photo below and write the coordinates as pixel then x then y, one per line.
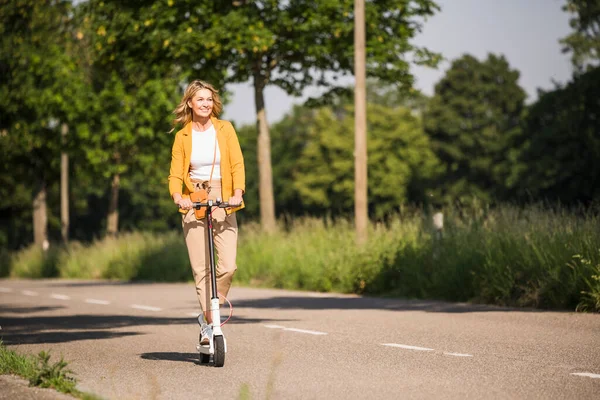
pixel 205 183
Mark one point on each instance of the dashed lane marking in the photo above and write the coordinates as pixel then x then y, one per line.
pixel 305 331
pixel 5 290
pixel 274 326
pixel 145 308
pixel 60 296
pixel 405 346
pixel 587 375
pixel 295 330
pixel 458 354
pixel 29 293
pixel 96 301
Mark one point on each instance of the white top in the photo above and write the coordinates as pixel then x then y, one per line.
pixel 203 153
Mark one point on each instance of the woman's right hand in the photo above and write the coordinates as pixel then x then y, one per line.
pixel 184 203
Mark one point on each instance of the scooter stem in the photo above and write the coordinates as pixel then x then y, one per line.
pixel 214 301
pixel 216 316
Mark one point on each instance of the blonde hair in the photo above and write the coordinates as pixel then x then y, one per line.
pixel 183 112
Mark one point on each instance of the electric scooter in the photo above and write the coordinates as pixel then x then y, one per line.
pixel 217 346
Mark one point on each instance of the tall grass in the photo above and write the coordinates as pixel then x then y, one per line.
pixel 142 256
pixel 528 257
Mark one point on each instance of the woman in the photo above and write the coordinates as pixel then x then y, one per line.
pixel 206 154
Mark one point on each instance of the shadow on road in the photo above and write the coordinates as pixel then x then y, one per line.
pixel 28 310
pixel 368 303
pixel 36 329
pixel 10 338
pixel 172 356
pixel 67 284
pixel 241 320
pixel 67 328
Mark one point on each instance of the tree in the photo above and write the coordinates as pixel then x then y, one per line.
pixel 135 86
pixel 473 120
pixel 40 89
pixel 558 158
pixel 584 42
pixel 401 164
pixel 294 44
pixel 289 139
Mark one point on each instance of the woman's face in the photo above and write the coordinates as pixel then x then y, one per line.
pixel 201 103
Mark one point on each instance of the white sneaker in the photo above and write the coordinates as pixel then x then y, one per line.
pixel 205 330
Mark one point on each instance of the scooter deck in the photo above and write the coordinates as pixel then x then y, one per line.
pixel 204 349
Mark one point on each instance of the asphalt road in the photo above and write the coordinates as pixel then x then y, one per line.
pixel 137 341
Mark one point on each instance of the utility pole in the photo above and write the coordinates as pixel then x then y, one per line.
pixel 64 186
pixel 360 124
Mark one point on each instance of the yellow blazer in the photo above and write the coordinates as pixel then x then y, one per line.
pixel 233 174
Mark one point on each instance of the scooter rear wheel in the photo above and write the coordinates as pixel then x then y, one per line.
pixel 219 356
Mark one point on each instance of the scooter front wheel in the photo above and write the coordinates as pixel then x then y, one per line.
pixel 219 356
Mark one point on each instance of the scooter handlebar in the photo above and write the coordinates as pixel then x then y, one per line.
pixel 222 204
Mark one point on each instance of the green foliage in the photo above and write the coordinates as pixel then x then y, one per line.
pixel 247 137
pixel 400 162
pixel 13 363
pixel 134 256
pixel 313 163
pixel 52 375
pixel 41 89
pixel 5 261
pixel 33 262
pixel 590 300
pixel 527 257
pixel 291 43
pixel 558 159
pixel 505 256
pixel 41 372
pixel 244 392
pixel 584 42
pixel 131 256
pixel 134 88
pixel 472 120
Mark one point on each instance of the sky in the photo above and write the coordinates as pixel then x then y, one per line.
pixel 526 32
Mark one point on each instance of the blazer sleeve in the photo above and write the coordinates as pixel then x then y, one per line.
pixel 177 167
pixel 236 159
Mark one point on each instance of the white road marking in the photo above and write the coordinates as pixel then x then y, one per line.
pixel 5 290
pixel 146 308
pixel 95 301
pixel 295 330
pixel 458 354
pixel 405 346
pixel 587 375
pixel 274 326
pixel 192 314
pixel 60 296
pixel 29 293
pixel 305 331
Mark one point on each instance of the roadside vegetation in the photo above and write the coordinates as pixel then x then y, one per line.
pixel 539 257
pixel 39 371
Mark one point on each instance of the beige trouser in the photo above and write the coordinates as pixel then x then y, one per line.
pixel 225 239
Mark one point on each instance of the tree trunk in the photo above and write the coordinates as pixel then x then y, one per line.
pixel 40 218
pixel 112 226
pixel 360 124
pixel 64 187
pixel 265 183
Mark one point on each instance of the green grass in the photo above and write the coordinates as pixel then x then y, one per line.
pixel 526 257
pixel 39 371
pixel 244 392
